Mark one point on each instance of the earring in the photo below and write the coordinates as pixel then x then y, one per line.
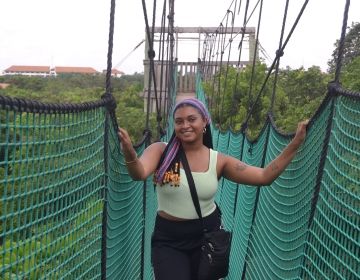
pixel 204 130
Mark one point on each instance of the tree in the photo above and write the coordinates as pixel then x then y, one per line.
pixel 350 76
pixel 302 86
pixel 351 47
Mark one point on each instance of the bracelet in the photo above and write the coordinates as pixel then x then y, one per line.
pixel 131 161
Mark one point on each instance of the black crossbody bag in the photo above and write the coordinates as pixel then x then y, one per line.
pixel 215 245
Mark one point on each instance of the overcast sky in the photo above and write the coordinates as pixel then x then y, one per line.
pixel 75 32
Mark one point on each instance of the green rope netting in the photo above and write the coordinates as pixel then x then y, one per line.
pixel 69 209
pixel 51 185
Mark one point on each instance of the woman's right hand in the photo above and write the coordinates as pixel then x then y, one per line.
pixel 126 144
pixel 142 167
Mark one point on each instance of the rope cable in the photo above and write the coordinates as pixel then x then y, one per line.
pixel 281 51
pixel 254 57
pixel 239 58
pixel 342 42
pixel 278 61
pixel 161 57
pixel 228 60
pixel 151 55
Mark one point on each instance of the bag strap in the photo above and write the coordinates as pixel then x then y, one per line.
pixel 191 183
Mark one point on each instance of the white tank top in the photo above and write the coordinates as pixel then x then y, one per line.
pixel 177 201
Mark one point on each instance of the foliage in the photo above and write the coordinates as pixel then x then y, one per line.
pixel 351 47
pixel 36 257
pixel 76 88
pixel 130 112
pixel 350 76
pixel 298 93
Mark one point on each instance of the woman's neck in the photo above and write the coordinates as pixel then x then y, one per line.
pixel 193 147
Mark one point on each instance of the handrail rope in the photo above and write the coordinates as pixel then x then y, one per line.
pixel 281 51
pixel 278 61
pixel 34 106
pixel 342 42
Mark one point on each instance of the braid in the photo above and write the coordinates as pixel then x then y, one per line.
pixel 169 164
pixel 168 169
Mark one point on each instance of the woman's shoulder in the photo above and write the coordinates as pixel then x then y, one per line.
pixel 221 158
pixel 157 146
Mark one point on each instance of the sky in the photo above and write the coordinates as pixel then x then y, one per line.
pixel 75 32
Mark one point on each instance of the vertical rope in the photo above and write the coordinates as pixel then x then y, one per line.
pixel 110 47
pixel 278 55
pixel 235 91
pixel 274 62
pixel 105 193
pixel 151 56
pixel 342 42
pixel 254 58
pixel 110 111
pixel 256 202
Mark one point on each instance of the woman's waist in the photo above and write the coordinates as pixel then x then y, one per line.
pixel 179 227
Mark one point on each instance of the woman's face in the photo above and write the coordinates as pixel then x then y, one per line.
pixel 189 123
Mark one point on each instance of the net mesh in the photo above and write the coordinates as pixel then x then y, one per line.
pixel 69 209
pixel 51 188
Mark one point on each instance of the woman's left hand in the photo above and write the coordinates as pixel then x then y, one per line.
pixel 300 133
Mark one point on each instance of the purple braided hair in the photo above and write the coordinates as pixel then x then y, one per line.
pixel 173 146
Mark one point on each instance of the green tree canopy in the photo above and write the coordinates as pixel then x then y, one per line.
pixel 351 47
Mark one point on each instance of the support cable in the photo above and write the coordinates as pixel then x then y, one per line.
pixel 342 42
pixel 278 61
pixel 151 56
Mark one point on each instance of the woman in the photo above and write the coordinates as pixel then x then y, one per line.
pixel 178 231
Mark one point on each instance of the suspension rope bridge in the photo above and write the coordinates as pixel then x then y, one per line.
pixel 69 209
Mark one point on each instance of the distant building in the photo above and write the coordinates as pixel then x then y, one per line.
pixel 74 70
pixel 28 70
pixel 115 73
pixel 45 71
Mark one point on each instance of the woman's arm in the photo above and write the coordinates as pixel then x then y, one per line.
pixel 140 168
pixel 241 173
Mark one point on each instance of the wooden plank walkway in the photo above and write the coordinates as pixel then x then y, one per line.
pixel 183 95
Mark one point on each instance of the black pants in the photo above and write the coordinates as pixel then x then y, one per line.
pixel 175 246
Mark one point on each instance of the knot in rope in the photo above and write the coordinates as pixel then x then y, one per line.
pixel 151 54
pixel 333 87
pixel 279 53
pixel 110 101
